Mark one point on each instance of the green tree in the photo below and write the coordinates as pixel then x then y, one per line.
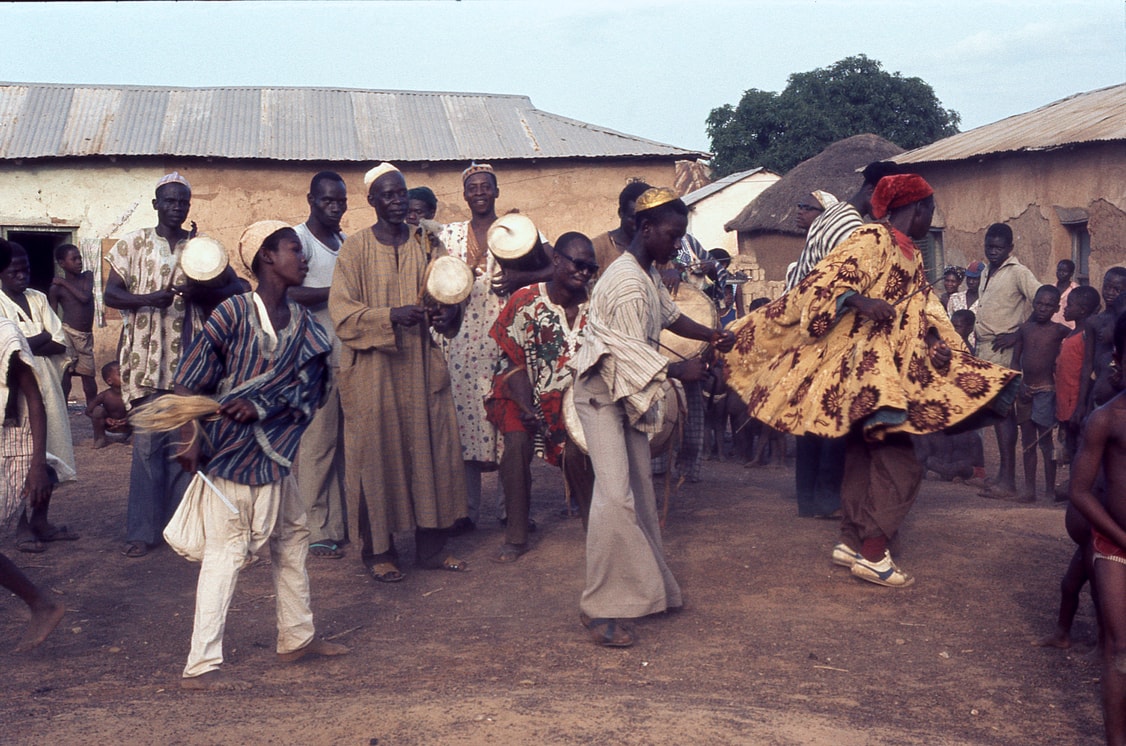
pixel 820 107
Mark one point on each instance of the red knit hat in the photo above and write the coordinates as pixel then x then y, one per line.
pixel 897 191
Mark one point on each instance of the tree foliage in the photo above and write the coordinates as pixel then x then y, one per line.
pixel 820 107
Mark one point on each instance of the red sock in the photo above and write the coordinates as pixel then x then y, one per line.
pixel 873 549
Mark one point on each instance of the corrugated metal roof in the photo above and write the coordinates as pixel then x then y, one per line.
pixel 1095 116
pixel 297 124
pixel 719 185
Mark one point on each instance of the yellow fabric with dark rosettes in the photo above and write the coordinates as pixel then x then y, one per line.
pixel 805 364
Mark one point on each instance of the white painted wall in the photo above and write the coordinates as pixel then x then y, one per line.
pixel 707 217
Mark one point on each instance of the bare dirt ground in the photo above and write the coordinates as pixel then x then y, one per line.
pixel 775 646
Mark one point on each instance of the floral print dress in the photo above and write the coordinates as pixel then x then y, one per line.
pixel 472 355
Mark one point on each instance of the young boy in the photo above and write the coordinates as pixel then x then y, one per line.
pixel 1082 303
pixel 25 477
pixel 266 358
pixel 963 321
pixel 108 408
pixel 1034 354
pixel 1102 445
pixel 44 332
pixel 74 293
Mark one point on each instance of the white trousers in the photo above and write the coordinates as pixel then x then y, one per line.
pixel 626 572
pixel 271 512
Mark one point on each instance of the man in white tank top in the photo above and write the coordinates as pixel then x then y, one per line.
pixel 320 459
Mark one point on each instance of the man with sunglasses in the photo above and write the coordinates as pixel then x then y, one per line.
pixel 538 331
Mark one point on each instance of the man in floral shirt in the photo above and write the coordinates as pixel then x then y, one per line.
pixel 538 331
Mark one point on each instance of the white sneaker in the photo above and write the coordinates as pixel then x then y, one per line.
pixel 883 572
pixel 843 556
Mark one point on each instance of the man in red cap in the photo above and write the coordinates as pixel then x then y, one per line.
pixel 862 348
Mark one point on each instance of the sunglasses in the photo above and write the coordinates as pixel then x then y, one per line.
pixel 807 206
pixel 579 264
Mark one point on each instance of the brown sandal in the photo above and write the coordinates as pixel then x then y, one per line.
pixel 386 572
pixel 609 633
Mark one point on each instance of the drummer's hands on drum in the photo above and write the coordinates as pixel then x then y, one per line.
pixel 723 340
pixel 407 315
pixel 442 318
pixel 692 369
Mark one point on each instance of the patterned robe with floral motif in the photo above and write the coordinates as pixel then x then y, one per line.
pixel 472 355
pixel 806 364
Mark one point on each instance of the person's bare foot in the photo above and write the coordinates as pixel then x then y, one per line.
pixel 214 681
pixel 1057 639
pixel 44 619
pixel 99 443
pixel 315 647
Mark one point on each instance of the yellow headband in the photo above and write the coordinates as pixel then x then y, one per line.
pixel 654 197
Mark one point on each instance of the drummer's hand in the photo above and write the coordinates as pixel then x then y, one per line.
pixel 692 369
pixel 504 282
pixel 192 233
pixel 671 278
pixel 723 340
pixel 871 308
pixel 407 315
pixel 442 317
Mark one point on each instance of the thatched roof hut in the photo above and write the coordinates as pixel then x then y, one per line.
pixel 769 239
pixel 834 170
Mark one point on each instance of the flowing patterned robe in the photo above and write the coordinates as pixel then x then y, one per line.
pixel 400 429
pixel 805 363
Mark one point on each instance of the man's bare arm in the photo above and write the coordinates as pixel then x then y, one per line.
pixel 118 296
pixel 1097 434
pixel 309 297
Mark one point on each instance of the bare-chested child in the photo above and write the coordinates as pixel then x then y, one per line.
pixel 1102 444
pixel 1034 354
pixel 1097 388
pixel 74 294
pixel 107 411
pixel 1081 303
pixel 25 478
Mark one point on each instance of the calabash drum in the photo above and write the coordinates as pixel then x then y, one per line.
pixel 515 243
pixel 697 306
pixel 448 281
pixel 659 442
pixel 203 259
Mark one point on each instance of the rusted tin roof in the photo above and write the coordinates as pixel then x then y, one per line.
pixel 298 124
pixel 1095 116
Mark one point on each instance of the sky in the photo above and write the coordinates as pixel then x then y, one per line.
pixel 652 69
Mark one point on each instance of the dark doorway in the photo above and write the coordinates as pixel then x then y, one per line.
pixel 40 247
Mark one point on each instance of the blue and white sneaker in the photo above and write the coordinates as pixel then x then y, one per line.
pixel 883 572
pixel 843 556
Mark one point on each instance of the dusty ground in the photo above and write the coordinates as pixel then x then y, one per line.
pixel 775 645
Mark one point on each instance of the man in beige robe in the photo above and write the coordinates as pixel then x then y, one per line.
pixel 400 429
